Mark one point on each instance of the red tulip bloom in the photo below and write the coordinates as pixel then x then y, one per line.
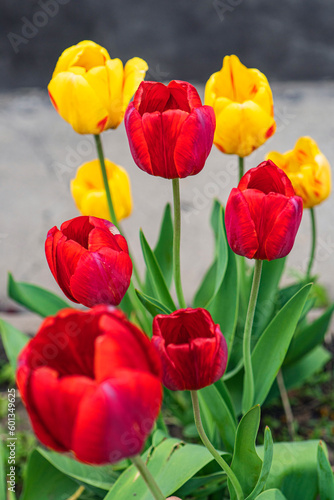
pixel 192 348
pixel 90 261
pixel 170 133
pixel 91 383
pixel 263 214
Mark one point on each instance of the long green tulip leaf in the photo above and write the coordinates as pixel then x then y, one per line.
pixel 155 273
pixel 271 349
pixel 246 463
pixel 153 306
pixel 325 474
pixel 35 298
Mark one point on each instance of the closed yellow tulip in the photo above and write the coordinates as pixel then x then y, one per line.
pixel 308 169
pixel 90 90
pixel 89 194
pixel 243 103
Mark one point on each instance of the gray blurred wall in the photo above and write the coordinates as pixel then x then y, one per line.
pixel 184 39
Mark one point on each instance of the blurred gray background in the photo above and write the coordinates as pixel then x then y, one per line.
pixel 291 41
pixel 184 39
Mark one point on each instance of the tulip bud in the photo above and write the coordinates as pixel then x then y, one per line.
pixel 91 91
pixel 97 391
pixel 89 193
pixel 90 261
pixel 192 348
pixel 243 105
pixel 263 214
pixel 308 170
pixel 170 133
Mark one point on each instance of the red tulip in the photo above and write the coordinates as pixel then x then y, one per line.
pixel 263 214
pixel 90 261
pixel 170 133
pixel 192 348
pixel 91 383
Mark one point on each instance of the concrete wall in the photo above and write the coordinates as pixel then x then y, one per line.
pixel 185 39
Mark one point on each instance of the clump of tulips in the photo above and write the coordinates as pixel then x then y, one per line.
pixel 109 385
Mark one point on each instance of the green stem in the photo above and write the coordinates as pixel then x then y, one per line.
pixel 314 238
pixel 241 167
pixel 113 219
pixel 148 478
pixel 207 443
pixel 77 494
pixel 100 154
pixel 176 244
pixel 286 405
pixel 248 390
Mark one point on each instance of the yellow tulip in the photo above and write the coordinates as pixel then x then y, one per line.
pixel 90 90
pixel 89 194
pixel 308 169
pixel 243 103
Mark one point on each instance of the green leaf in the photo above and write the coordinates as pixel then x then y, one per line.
pixel 294 469
pixel 266 301
pixel 35 298
pixel 222 251
pixel 207 287
pixel 271 349
pixel 307 338
pixel 102 477
pixel 153 306
pixel 13 341
pixel 246 463
pixel 216 272
pixel 44 482
pixel 266 465
pixel 221 414
pixel 163 250
pixel 155 274
pixel 296 374
pixel 215 219
pixel 202 486
pixel 272 495
pixel 172 464
pixel 325 474
pixel 223 307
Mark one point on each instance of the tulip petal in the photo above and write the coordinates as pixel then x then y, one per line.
pixel 53 405
pixel 114 421
pixel 100 238
pixel 192 99
pixel 123 347
pixel 134 73
pixel 194 142
pixel 280 240
pixel 268 178
pixel 85 53
pixel 136 138
pixel 101 278
pixel 68 254
pixel 59 345
pixel 241 128
pixel 77 103
pixel 152 97
pixel 161 132
pixel 210 91
pixel 240 228
pixel 54 235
